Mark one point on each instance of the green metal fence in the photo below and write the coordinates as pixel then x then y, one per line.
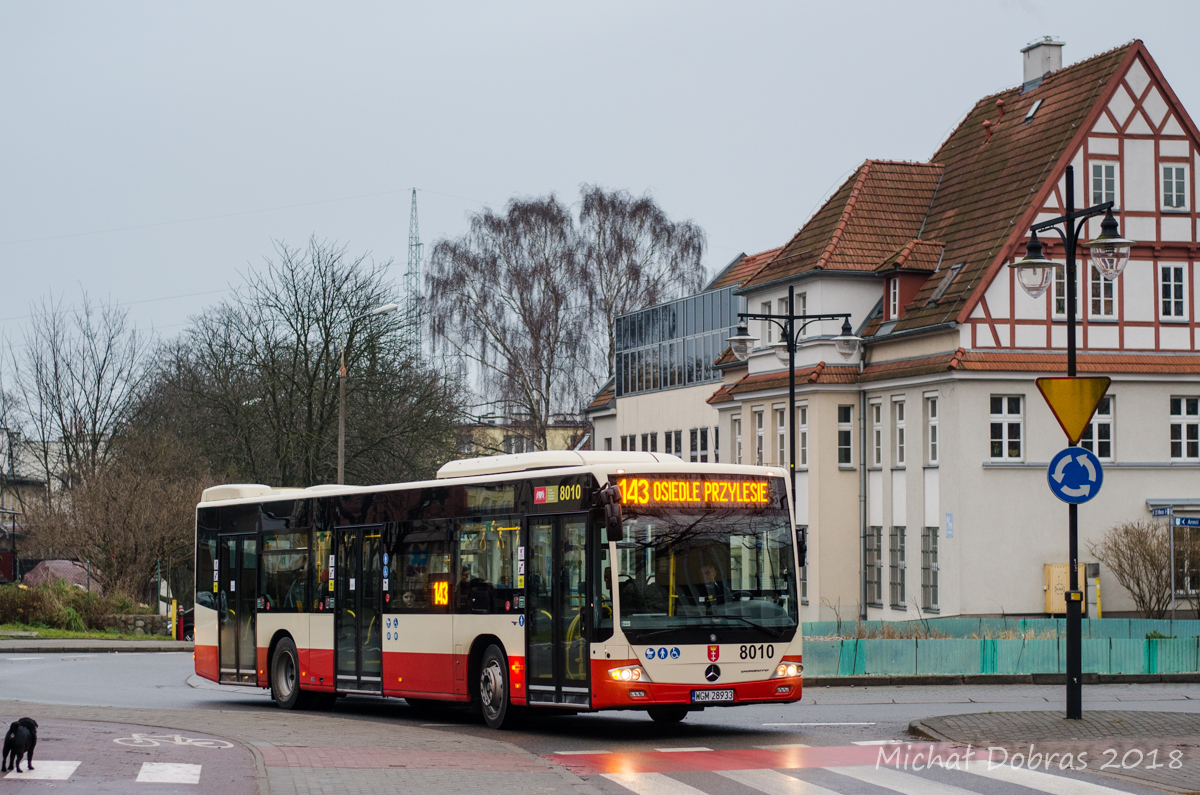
pixel 956 627
pixel 908 657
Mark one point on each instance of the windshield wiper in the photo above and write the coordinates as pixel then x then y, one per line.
pixel 772 631
pixel 642 636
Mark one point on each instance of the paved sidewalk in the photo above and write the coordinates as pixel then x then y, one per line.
pixel 88 645
pixel 306 753
pixel 1159 749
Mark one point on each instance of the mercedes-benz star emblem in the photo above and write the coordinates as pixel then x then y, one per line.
pixel 712 673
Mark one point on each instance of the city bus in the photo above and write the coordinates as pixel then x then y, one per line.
pixel 517 584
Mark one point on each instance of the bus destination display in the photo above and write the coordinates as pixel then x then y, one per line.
pixel 675 491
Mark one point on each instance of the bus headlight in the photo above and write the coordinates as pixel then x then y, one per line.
pixel 629 673
pixel 786 669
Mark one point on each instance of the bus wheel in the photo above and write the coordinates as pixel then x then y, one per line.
pixel 285 675
pixel 667 714
pixel 493 688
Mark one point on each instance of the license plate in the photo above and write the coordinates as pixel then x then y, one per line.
pixel 709 696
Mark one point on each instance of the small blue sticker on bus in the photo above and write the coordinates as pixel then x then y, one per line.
pixel 385 560
pixel 521 620
pixel 675 653
pixel 649 654
pixel 385 570
pixel 662 653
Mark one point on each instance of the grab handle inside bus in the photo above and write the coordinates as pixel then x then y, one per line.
pixel 610 498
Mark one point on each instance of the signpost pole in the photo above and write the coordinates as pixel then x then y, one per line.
pixel 1074 603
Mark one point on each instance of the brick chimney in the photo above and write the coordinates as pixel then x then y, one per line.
pixel 1041 57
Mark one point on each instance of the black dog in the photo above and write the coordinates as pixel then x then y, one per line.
pixel 19 740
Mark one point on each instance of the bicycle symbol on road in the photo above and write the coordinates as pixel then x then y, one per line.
pixel 139 740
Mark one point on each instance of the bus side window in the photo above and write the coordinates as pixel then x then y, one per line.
pixel 419 576
pixel 487 566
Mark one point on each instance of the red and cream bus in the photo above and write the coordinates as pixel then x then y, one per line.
pixel 507 584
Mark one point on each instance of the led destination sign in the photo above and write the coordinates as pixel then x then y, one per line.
pixel 677 491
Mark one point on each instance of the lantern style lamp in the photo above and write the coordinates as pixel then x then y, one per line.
pixel 1110 251
pixel 781 350
pixel 846 343
pixel 742 343
pixel 1034 272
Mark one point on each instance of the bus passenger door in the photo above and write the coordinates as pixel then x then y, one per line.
pixel 358 571
pixel 556 611
pixel 237 592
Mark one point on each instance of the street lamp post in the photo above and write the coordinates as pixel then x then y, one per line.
pixel 386 309
pixel 742 343
pixel 1110 253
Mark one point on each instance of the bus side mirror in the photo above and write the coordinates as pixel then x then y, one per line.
pixel 802 545
pixel 610 500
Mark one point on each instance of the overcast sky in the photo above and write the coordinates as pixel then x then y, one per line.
pixel 153 151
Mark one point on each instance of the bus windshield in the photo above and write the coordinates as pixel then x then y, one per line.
pixel 693 571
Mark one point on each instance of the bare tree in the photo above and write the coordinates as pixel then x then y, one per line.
pixel 132 514
pixel 509 296
pixel 1139 555
pixel 634 256
pixel 78 378
pixel 253 382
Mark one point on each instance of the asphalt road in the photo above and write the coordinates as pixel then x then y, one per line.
pixel 826 716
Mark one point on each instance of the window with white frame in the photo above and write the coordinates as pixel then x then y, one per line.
pixel 1006 421
pixel 1172 291
pixel 802 308
pixel 1098 435
pixel 1104 182
pixel 736 433
pixel 929 568
pixel 768 328
pixel 873 554
pixel 1103 294
pixel 1060 291
pixel 669 443
pixel 679 443
pixel 1185 429
pixel 898 580
pixel 802 434
pixel 780 436
pixel 931 430
pixel 608 443
pixel 1174 187
pixel 845 435
pixel 704 445
pixel 876 434
pixel 694 455
pixel 760 441
pixel 898 421
pixel 893 298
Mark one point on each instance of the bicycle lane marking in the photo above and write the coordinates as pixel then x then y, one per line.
pixel 106 766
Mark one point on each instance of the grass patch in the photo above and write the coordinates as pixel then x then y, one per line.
pixel 51 633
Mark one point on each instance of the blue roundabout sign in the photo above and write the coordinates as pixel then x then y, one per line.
pixel 1075 475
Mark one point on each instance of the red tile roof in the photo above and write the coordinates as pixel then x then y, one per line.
pixel 993 187
pixel 915 255
pixel 821 373
pixel 742 268
pixel 604 397
pixel 1030 362
pixel 873 214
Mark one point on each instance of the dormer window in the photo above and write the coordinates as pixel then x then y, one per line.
pixel 893 298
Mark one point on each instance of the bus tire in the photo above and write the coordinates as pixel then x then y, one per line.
pixel 285 675
pixel 668 714
pixel 493 688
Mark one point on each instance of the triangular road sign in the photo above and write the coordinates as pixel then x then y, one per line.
pixel 1073 401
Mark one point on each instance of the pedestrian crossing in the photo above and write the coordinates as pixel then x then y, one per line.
pixel 837 771
pixel 148 772
pixel 974 780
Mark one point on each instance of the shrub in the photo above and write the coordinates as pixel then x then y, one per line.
pixel 61 605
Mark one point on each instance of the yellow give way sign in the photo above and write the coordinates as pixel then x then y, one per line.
pixel 1073 401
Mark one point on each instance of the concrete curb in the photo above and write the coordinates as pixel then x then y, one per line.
pixel 919 729
pixel 997 679
pixel 85 646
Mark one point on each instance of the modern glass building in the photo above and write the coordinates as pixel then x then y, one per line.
pixel 674 344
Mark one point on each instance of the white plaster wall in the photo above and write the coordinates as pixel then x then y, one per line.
pixel 669 410
pixel 1138 170
pixel 1176 228
pixel 1137 283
